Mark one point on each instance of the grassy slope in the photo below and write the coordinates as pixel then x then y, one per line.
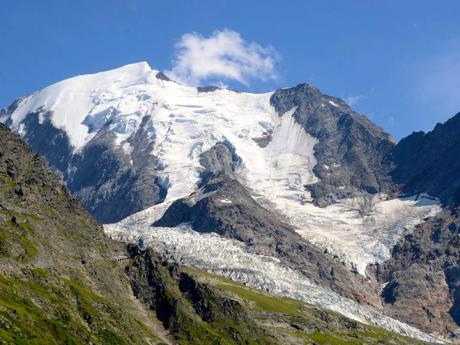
pixel 60 282
pixel 291 321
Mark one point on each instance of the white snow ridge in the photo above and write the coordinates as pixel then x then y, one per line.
pixel 186 123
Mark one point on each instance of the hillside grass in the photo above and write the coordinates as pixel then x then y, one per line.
pixel 286 318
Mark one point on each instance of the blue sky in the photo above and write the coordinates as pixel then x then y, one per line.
pixel 398 62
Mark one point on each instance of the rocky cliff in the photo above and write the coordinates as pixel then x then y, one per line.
pixel 428 162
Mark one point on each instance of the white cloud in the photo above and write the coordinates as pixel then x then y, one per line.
pixel 224 55
pixel 353 100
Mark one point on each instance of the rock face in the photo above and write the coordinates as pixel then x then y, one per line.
pixel 422 277
pixel 213 318
pixel 350 150
pixel 428 162
pixel 219 159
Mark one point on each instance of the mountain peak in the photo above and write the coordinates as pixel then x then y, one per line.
pixel 87 94
pixel 135 68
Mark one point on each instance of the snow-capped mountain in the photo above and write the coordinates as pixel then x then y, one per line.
pixel 295 177
pixel 130 138
pixel 129 108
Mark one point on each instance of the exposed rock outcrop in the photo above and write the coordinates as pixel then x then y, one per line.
pixel 350 150
pixel 109 182
pixel 195 313
pixel 422 281
pixel 428 162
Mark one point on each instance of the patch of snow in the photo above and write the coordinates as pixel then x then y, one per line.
pixel 4 117
pixel 333 103
pixel 286 165
pixel 127 147
pixel 21 129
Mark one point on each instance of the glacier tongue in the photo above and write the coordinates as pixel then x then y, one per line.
pixel 228 258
